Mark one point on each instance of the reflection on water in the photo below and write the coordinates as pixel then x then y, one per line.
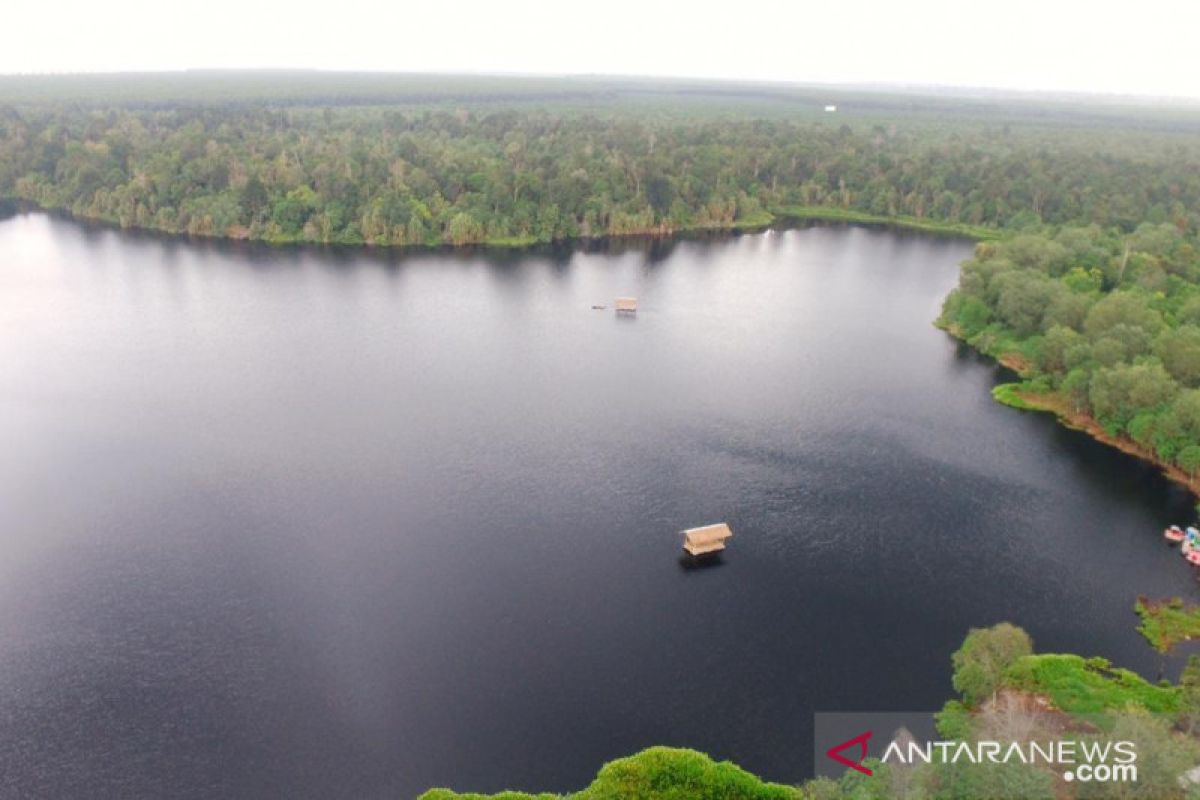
pixel 692 564
pixel 320 522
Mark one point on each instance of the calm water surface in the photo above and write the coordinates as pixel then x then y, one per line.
pixel 312 523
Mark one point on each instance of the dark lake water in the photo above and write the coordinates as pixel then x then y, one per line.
pixel 320 523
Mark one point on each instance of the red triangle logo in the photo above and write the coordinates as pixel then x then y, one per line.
pixel 861 740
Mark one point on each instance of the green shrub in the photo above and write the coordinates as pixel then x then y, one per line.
pixel 659 773
pixel 1088 686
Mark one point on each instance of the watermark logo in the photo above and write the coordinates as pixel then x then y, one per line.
pixel 861 742
pixel 1084 761
pixel 1006 749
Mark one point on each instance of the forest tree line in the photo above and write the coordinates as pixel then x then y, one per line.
pixel 440 175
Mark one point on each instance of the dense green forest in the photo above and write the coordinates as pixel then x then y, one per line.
pixel 1105 327
pixel 452 161
pixel 1008 693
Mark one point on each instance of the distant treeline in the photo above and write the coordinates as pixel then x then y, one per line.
pixel 428 173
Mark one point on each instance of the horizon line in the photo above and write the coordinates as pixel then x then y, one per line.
pixel 850 85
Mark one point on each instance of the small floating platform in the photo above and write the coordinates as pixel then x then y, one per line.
pixel 706 540
pixel 626 305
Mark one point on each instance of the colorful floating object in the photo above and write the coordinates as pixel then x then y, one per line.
pixel 1189 542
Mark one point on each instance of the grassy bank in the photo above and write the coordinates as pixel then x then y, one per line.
pixel 1021 396
pixel 1078 685
pixel 1010 394
pixel 834 214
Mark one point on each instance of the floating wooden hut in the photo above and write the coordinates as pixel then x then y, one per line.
pixel 707 539
pixel 627 305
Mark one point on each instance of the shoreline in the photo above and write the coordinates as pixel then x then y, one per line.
pixel 1014 396
pixel 767 219
pixel 935 227
pixel 1009 394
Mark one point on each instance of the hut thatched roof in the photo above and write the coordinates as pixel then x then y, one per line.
pixel 706 539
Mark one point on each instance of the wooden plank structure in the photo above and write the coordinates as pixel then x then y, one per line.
pixel 706 539
pixel 627 305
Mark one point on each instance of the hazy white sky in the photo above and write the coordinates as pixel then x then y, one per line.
pixel 1142 47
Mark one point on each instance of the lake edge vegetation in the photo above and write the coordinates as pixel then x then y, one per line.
pixel 396 161
pixel 1167 622
pixel 1103 328
pixel 1003 685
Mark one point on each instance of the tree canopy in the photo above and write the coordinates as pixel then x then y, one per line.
pixel 364 160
